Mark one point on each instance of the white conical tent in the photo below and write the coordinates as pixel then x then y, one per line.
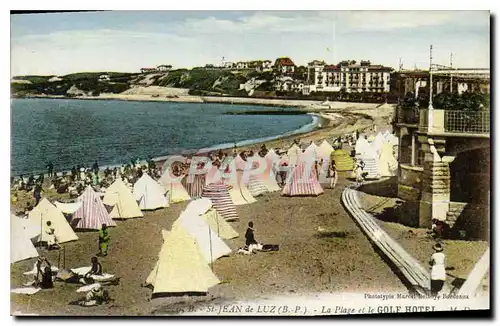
pixel 362 146
pixel 294 150
pixel 176 192
pixel 371 160
pixel 181 267
pixel 213 175
pixel 293 154
pixel 21 232
pixel 377 143
pixel 209 243
pixel 240 163
pixel 149 193
pixel 325 150
pixel 119 196
pixel 313 148
pixel 44 212
pixel 204 208
pixel 269 175
pixel 388 165
pixel 239 193
pixel 271 155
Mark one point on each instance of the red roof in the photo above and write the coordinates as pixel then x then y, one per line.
pixel 285 61
pixel 332 67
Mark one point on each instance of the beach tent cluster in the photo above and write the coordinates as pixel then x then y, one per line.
pixel 189 248
pixel 89 212
pixel 377 152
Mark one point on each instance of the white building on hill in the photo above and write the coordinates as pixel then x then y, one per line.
pixel 348 76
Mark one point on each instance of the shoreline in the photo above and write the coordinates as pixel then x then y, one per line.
pixel 329 125
pixel 269 102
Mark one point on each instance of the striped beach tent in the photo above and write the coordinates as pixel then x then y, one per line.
pixel 255 177
pixel 343 160
pixel 149 193
pixel 45 211
pixel 181 268
pixel 194 183
pixel 120 198
pixel 219 195
pixel 371 160
pixel 303 182
pixel 92 214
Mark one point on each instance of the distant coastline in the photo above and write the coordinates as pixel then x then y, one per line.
pixel 187 99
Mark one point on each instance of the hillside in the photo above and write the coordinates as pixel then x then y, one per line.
pixel 180 84
pixel 197 81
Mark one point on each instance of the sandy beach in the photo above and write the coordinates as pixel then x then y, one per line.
pixel 306 262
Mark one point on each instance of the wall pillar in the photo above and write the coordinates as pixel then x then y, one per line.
pixel 413 136
pixel 435 199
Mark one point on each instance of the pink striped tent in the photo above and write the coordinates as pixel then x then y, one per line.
pixel 194 183
pixel 219 195
pixel 92 214
pixel 301 183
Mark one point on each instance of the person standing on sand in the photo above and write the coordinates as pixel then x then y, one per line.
pixel 438 270
pixel 104 240
pixel 358 170
pixel 332 174
pixel 37 193
pixel 50 169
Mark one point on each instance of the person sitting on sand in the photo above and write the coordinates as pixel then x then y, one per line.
pixel 43 276
pixel 250 243
pixel 50 234
pixel 95 297
pixel 96 268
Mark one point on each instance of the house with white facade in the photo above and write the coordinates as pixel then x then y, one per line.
pixel 347 76
pixel 284 65
pixel 242 65
pixel 164 68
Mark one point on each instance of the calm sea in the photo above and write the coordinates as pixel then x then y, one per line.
pixel 71 132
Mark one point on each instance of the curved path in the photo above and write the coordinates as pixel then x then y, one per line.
pixel 416 277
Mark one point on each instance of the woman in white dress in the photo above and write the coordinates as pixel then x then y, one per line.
pixel 438 270
pixel 358 170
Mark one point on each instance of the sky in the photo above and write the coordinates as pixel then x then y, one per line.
pixel 125 41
